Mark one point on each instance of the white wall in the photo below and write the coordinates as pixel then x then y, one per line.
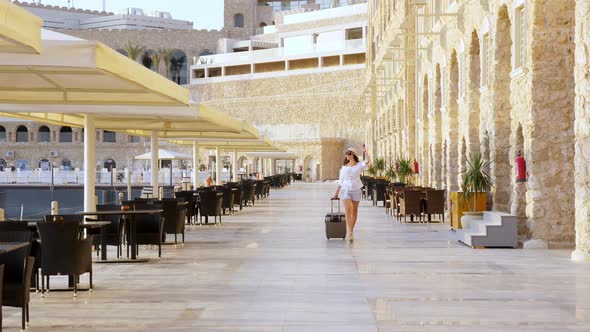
pixel 332 40
pixel 299 44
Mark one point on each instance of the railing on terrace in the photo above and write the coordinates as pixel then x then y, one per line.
pixel 106 178
pixel 277 54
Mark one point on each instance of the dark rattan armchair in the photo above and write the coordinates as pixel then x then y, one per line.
pixel 174 217
pixel 63 252
pixel 16 284
pixel 211 203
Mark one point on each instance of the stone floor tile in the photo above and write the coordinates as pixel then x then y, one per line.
pixel 269 268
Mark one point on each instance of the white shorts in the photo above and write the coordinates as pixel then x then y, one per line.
pixel 354 195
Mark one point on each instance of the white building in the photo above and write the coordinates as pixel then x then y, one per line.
pixel 331 42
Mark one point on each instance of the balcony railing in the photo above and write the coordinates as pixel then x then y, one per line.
pixel 277 54
pixel 105 177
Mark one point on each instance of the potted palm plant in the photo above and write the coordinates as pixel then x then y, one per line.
pixel 476 182
pixel 405 170
pixel 379 165
pixel 371 170
pixel 390 173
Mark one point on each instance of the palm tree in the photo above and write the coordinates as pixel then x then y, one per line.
pixel 166 56
pixel 133 51
pixel 156 58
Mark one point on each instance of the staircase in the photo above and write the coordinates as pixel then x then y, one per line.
pixel 497 229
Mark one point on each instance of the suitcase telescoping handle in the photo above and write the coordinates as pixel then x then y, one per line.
pixel 332 205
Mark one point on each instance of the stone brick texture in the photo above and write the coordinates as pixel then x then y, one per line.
pixel 331 101
pixel 529 108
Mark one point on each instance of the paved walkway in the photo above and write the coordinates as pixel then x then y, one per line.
pixel 270 268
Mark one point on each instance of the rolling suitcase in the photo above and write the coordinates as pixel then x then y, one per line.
pixel 335 222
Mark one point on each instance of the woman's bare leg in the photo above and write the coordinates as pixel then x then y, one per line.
pixel 354 215
pixel 348 213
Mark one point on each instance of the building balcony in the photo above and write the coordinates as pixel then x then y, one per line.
pixel 312 57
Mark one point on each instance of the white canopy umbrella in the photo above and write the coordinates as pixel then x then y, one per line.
pixel 165 155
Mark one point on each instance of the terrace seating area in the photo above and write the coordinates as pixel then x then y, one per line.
pixel 42 254
pixel 406 202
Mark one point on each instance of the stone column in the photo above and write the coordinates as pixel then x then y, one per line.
pixel 218 167
pixel 154 163
pixel 234 166
pixel 196 172
pixel 89 163
pixel 551 157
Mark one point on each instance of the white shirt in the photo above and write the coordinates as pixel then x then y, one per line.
pixel 350 176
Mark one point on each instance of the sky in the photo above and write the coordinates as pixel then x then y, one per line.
pixel 206 14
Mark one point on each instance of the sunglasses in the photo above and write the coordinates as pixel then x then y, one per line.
pixel 347 153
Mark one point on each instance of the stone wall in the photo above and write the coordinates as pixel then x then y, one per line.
pixel 306 112
pixel 191 42
pixel 473 92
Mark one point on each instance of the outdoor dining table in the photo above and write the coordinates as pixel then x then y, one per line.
pixel 6 247
pixel 86 225
pixel 130 216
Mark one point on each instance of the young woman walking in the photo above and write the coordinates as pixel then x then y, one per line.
pixel 349 188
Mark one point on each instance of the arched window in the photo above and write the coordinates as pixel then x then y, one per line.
pixel 109 137
pixel 110 164
pixel 146 59
pixel 22 134
pixel 2 134
pixel 23 165
pixel 45 165
pixel 239 21
pixel 65 135
pixel 66 164
pixel 44 135
pixel 179 67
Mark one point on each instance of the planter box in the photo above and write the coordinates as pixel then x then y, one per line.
pixel 459 205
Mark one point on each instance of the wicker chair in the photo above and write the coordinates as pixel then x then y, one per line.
pixel 435 203
pixel 63 252
pixel 113 233
pixel 409 204
pixel 16 283
pixel 211 203
pixel 18 231
pixel 191 207
pixel 249 193
pixel 174 217
pixel 149 228
pixel 228 200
